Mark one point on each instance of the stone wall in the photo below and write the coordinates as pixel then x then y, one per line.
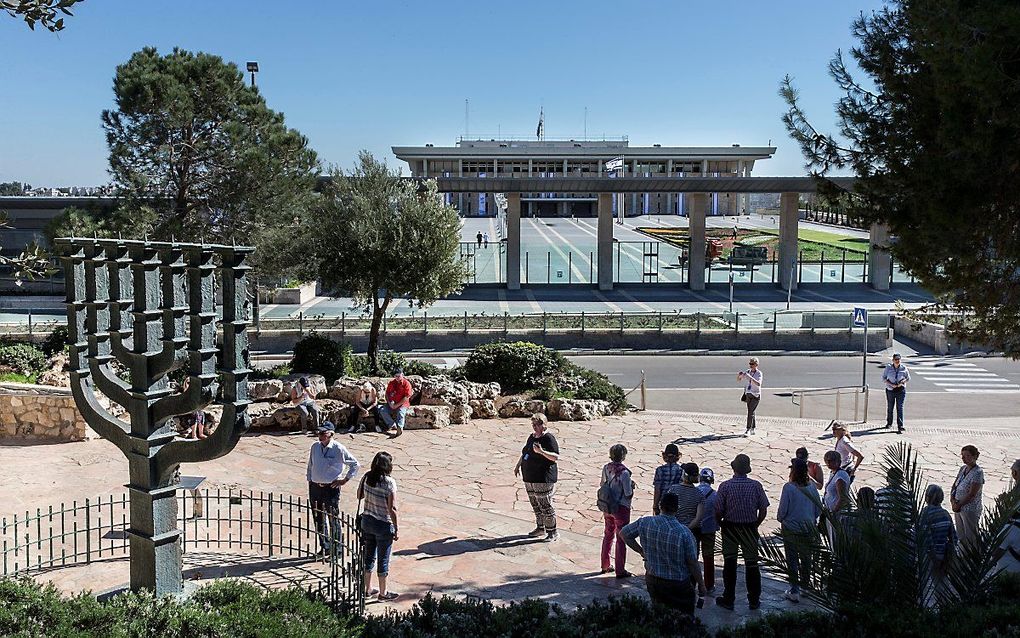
pixel 39 413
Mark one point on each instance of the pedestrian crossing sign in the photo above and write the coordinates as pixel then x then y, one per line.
pixel 860 317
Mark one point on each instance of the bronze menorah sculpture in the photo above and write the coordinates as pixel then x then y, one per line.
pixel 150 307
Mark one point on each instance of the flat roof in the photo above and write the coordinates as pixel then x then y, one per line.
pixel 637 184
pixel 579 150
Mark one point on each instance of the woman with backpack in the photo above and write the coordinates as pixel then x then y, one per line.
pixel 614 499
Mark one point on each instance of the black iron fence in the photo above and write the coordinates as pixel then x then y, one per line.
pixel 273 525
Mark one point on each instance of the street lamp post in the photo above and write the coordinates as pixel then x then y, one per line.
pixel 253 68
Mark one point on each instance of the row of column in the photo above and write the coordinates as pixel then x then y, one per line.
pixel 879 261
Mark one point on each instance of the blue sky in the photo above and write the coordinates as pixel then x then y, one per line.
pixel 369 75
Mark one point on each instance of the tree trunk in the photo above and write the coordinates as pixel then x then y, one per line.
pixel 373 335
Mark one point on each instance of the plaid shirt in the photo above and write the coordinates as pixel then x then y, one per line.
pixel 666 475
pixel 739 499
pixel 667 543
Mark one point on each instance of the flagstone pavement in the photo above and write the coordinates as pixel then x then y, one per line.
pixel 464 516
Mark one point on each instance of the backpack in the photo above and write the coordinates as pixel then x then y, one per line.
pixel 610 494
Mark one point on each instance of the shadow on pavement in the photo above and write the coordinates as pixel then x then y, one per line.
pixel 453 546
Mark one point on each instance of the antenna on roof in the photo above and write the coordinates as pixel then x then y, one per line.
pixel 465 118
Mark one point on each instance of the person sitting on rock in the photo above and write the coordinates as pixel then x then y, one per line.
pixel 398 400
pixel 302 397
pixel 365 404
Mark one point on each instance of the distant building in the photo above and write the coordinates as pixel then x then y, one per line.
pixel 569 158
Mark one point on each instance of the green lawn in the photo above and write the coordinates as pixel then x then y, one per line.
pixel 814 245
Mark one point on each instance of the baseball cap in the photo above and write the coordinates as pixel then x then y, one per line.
pixel 707 475
pixel 327 426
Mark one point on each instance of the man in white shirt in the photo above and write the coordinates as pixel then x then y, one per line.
pixel 330 466
pixel 752 378
pixel 895 377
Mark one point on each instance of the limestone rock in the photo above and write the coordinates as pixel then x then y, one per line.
pixel 289 418
pixel 521 408
pixel 460 414
pixel 427 417
pixel 483 408
pixel 478 391
pixel 265 389
pixel 577 409
pixel 441 390
pixel 261 414
pixel 316 384
pixel 346 389
pixel 56 373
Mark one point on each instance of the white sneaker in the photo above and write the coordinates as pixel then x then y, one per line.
pixel 792 597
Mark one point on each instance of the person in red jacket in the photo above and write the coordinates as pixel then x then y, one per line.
pixel 398 399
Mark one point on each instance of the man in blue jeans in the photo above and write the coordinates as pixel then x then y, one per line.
pixel 895 377
pixel 398 400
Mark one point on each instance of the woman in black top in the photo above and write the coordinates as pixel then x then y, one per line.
pixel 538 466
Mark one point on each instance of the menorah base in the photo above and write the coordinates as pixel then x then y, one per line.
pixel 155 541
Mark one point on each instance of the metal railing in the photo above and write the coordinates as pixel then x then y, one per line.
pixel 552 322
pixel 839 392
pixel 274 525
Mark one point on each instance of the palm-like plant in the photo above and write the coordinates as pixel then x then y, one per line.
pixel 874 556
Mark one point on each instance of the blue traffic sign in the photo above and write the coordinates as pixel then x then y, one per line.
pixel 860 317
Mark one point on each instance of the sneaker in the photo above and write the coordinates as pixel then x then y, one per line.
pixel 390 595
pixel 538 532
pixel 747 431
pixel 398 432
pixel 752 431
pixel 380 429
pixel 721 602
pixel 552 536
pixel 792 596
pixel 624 574
pixel 887 426
pixel 710 591
pixel 754 605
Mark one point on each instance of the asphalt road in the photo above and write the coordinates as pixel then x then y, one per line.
pixel 940 387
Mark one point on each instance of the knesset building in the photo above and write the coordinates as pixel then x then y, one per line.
pixel 551 159
pixel 696 190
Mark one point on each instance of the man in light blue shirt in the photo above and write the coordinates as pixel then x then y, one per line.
pixel 330 466
pixel 895 377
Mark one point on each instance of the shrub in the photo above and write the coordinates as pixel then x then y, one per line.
pixel 55 342
pixel 422 368
pixel 595 385
pixel 515 366
pixel 22 358
pixel 449 618
pixel 318 354
pixel 222 609
pixel 276 372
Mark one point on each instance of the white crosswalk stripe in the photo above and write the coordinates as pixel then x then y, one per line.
pixel 961 376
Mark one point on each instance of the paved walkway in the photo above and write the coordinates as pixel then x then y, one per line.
pixel 463 514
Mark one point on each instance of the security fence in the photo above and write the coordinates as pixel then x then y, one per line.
pixel 273 525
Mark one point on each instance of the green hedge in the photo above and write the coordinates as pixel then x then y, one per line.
pixel 318 354
pixel 220 610
pixel 515 366
pixel 22 358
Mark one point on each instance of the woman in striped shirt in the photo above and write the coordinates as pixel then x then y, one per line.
pixel 379 523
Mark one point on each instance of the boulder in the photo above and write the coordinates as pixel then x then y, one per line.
pixel 460 414
pixel 265 390
pixel 481 390
pixel 577 409
pixel 483 408
pixel 261 414
pixel 427 417
pixel 56 373
pixel 521 408
pixel 346 388
pixel 442 390
pixel 289 418
pixel 316 383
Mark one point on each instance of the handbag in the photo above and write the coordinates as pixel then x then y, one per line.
pixel 358 516
pixel 743 397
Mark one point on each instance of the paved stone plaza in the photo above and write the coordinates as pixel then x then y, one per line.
pixel 463 515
